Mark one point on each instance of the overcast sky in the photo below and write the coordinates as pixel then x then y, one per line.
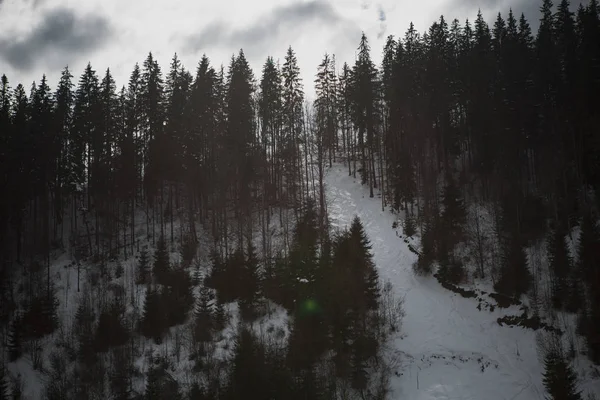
pixel 42 36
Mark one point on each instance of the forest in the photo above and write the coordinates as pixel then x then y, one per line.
pixel 212 181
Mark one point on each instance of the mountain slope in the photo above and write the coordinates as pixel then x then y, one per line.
pixel 451 350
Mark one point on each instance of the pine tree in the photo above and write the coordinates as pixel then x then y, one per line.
pixel 187 250
pixel 560 267
pixel 154 318
pixel 152 106
pixel 177 296
pixel 364 266
pixel 365 97
pixel 308 338
pixel 220 316
pixel 299 280
pixel 428 249
pixel 84 128
pixel 84 330
pixel 41 317
pixel 232 284
pixel 359 376
pixel 454 213
pixel 588 246
pixel 50 305
pixel 111 330
pixel 15 337
pixel 162 263
pixel 120 376
pixel 63 115
pixel 251 284
pixel 269 110
pixel 160 385
pixel 560 380
pixel 292 115
pixel 515 278
pixel 17 388
pixel 204 314
pixel 4 393
pixel 247 367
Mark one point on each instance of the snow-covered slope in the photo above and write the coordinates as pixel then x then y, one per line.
pixel 450 349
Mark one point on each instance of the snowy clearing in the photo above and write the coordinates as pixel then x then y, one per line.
pixel 450 349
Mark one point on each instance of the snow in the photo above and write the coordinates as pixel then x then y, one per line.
pixel 450 350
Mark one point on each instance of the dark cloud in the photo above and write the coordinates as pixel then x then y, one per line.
pixel 266 29
pixel 60 36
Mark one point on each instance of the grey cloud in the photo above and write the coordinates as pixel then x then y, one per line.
pixel 60 36
pixel 267 28
pixel 382 17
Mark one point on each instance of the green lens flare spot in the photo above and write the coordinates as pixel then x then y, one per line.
pixel 310 306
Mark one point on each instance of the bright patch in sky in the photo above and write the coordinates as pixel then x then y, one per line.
pixel 43 36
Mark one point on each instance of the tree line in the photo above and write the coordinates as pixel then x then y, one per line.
pixel 463 114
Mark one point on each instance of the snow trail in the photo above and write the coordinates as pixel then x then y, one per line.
pixel 451 350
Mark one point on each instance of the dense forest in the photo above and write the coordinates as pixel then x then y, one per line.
pixel 463 117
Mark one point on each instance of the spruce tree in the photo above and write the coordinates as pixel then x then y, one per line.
pixel 4 393
pixel 15 338
pixel 364 267
pixel 84 330
pixel 248 373
pixel 220 316
pixel 560 380
pixel 63 115
pixel 204 315
pixel 160 384
pixel 428 249
pixel 515 278
pixel 454 213
pixel 359 375
pixel 17 388
pixel 299 280
pixel 178 296
pixel 216 277
pixel 143 268
pixel 250 284
pixel 269 114
pixel 588 247
pixel 111 330
pixel 292 114
pixel 188 250
pixel 233 283
pixel 84 127
pixel 162 263
pixel 154 319
pixel 120 376
pixel 560 267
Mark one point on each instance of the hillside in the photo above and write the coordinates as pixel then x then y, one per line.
pixel 449 349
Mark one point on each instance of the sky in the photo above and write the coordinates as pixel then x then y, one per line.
pixel 44 36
